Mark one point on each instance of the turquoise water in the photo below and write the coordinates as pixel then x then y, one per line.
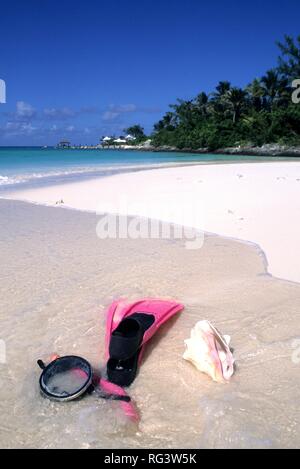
pixel 41 166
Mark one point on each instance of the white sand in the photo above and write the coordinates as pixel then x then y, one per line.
pixel 57 279
pixel 257 202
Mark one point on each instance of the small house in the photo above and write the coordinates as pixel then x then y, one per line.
pixel 64 144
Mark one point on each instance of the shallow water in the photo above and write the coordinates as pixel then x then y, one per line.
pixel 66 383
pixel 25 167
pixel 57 278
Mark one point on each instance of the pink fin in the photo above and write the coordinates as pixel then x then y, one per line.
pixel 127 407
pixel 161 309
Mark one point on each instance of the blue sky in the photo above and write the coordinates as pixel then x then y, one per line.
pixel 82 69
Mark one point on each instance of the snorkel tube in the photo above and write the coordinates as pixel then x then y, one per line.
pixel 119 394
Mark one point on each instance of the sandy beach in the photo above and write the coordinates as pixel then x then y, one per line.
pixel 58 277
pixel 258 203
pixel 150 228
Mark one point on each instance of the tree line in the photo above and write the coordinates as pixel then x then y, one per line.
pixel 262 112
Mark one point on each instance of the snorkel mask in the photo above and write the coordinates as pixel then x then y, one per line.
pixel 71 377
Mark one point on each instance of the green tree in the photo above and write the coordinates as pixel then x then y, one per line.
pixel 166 123
pixel 235 98
pixel 256 94
pixel 136 131
pixel 202 104
pixel 289 61
pixel 222 89
pixel 260 113
pixel 219 105
pixel 183 112
pixel 274 87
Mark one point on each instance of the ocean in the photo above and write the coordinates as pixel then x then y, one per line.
pixel 33 166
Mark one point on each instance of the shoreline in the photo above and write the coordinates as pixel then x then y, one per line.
pixel 232 200
pixel 266 150
pixel 288 152
pixel 48 180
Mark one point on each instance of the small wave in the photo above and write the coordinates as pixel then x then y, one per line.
pixel 93 171
pixel 5 180
pixel 27 177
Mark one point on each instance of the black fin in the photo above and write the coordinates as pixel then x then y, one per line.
pixel 127 338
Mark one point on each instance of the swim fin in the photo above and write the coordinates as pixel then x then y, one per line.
pixel 129 327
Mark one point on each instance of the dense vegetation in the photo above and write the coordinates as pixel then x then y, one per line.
pixel 137 132
pixel 263 112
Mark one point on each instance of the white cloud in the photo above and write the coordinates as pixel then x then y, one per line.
pixel 58 113
pixel 115 110
pixel 123 108
pixel 24 110
pixel 110 115
pixel 19 128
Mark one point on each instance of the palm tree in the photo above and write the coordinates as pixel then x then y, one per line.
pixel 235 98
pixel 136 130
pixel 166 123
pixel 289 67
pixel 256 94
pixel 183 111
pixel 221 89
pixel 274 86
pixel 202 103
pixel 218 99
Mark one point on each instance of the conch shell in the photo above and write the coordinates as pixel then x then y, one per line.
pixel 209 351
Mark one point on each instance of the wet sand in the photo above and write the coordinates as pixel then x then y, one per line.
pixel 257 202
pixel 57 278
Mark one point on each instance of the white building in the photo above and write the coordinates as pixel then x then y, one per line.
pixel 130 138
pixel 106 139
pixel 120 140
